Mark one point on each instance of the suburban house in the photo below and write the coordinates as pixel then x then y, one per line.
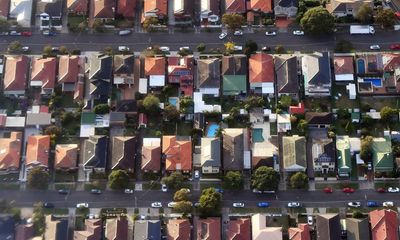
pixel 37 151
pixel 90 121
pixel 210 12
pixel 343 68
pixel 207 228
pixel 43 74
pixel 323 154
pixel 155 8
pixel 123 153
pixel 283 122
pixel 382 155
pixel 99 70
pixel 102 10
pixel 124 66
pixel 71 75
pixel 179 229
pixel 177 151
pixel 183 12
pixel 201 107
pixel 384 224
pixel 319 119
pixel 4 8
pixel 15 75
pixel 66 156
pixel 234 75
pixel 285 8
pixel 38 117
pixel 256 9
pixel 301 232
pixel 261 73
pixel 95 152
pixel 116 228
pixel 239 228
pixel 235 6
pixel 147 229
pixel 317 74
pixel 180 71
pixel 328 226
pixel 343 8
pixel 209 76
pixel 21 11
pixel 50 13
pixel 357 228
pixel 154 70
pixel 347 148
pixel 287 76
pixel 93 230
pixel 126 9
pixel 10 152
pixel 294 153
pixel 79 7
pixel 209 155
pixel 56 228
pixel 260 230
pixel 235 152
pixel 151 155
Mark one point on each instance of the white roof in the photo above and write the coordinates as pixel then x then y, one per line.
pixel 157 81
pixel 143 85
pixel 21 10
pixel 87 130
pixel 151 141
pixel 284 118
pixel 200 106
pixel 15 122
pixel 374 115
pixel 178 5
pixel 210 91
pixel 352 90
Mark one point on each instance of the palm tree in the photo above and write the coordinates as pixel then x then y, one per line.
pixel 220 131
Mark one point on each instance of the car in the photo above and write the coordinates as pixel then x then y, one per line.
pixel 124 32
pixel 255 190
pixel 375 47
pixel 238 205
pixel 4 33
pixel 63 191
pixel 55 49
pixel 196 204
pixel 310 220
pixel 25 48
pixel 388 204
pixel 48 33
pixel 395 46
pixel 270 33
pixel 354 204
pixel 222 35
pixel 164 188
pixel 142 217
pixel 156 205
pixel 266 48
pixel 237 48
pixel 15 33
pixel 123 48
pixel 95 191
pixel 369 166
pixel 184 48
pixel 128 191
pixel 298 32
pixel 263 204
pixel 238 33
pixel 393 189
pixel 196 174
pixel 164 49
pixel 171 204
pixel 372 204
pixel 293 204
pixel 397 14
pixel 220 190
pixel 48 205
pixel 348 190
pixel 26 34
pixel 186 190
pixel 328 190
pixel 381 190
pixel 82 205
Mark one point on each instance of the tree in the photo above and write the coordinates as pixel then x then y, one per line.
pixel 253 102
pixel 343 114
pixel 38 178
pixel 174 181
pixel 210 202
pixel 201 47
pixel 101 109
pixel 229 47
pixel 344 46
pixel 279 49
pixel 265 179
pixel 108 51
pixel 151 104
pixel 386 18
pixel 14 47
pixel 67 117
pixel 149 23
pixel 181 195
pixel 388 114
pixel 365 13
pixel 184 207
pixel 38 219
pixel 302 126
pixel 171 113
pixel 233 20
pixel 299 180
pixel 98 26
pixel 250 47
pixel 357 214
pixel 317 20
pixel 220 131
pixel 63 50
pixel 185 104
pixel 233 180
pixel 47 50
pixel 285 101
pixel 118 179
pixel 366 148
pixel 4 25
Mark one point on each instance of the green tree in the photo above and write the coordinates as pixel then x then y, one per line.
pixel 233 180
pixel 38 219
pixel 210 202
pixel 265 179
pixel 343 114
pixel 185 104
pixel 4 25
pixel 253 102
pixel 344 46
pixel 108 51
pixel 118 179
pixel 14 47
pixel 317 20
pixel 181 195
pixel 220 131
pixel 171 113
pixel 299 180
pixel 366 148
pixel 386 18
pixel 285 101
pixel 250 47
pixel 357 214
pixel 47 50
pixel 388 114
pixel 201 47
pixel 233 20
pixel 365 13
pixel 174 181
pixel 101 109
pixel 67 117
pixel 302 126
pixel 63 50
pixel 184 207
pixel 38 178
pixel 151 104
pixel 279 49
pixel 149 23
pixel 98 26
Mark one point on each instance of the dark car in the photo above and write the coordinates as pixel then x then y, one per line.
pixel 63 191
pixel 95 191
pixel 381 190
pixel 219 190
pixel 48 205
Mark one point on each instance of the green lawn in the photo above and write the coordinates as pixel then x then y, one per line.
pixel 185 128
pixel 90 186
pixel 61 176
pixel 58 186
pixel 343 101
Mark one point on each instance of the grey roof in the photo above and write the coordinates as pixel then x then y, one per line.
pixel 233 140
pixel 208 73
pixel 319 118
pixel 319 71
pixel 117 117
pixel 126 106
pixel 40 119
pixel 99 87
pixel 124 64
pixel 95 152
pixel 56 228
pixel 210 152
pixel 286 74
pixel 7 225
pixel 53 8
pixel 100 66
pixel 123 153
pixel 328 154
pixel 328 226
pixel 147 230
pixel 357 229
pixel 234 65
pixel 286 3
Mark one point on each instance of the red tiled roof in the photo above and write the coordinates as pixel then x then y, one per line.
pixel 4 7
pixel 235 6
pixel 16 73
pixel 37 150
pixel 43 109
pixel 126 8
pixel 68 69
pixel 261 5
pixel 178 154
pixel 157 6
pixel 208 229
pixel 102 8
pixel 391 62
pixel 261 68
pixel 302 232
pixel 384 225
pixel 299 109
pixel 78 6
pixel 44 70
pixel 10 151
pixel 239 229
pixel 66 156
pixel 151 158
pixel 178 229
pixel 154 66
pixel 343 64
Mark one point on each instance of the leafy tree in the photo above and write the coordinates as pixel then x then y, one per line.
pixel 357 214
pixel 201 47
pixel 365 13
pixel 388 114
pixel 14 47
pixel 253 102
pixel 229 47
pixel 344 46
pixel 220 131
pixel 210 202
pixel 233 20
pixel 118 179
pixel 98 26
pixel 171 113
pixel 108 51
pixel 148 23
pixel 101 109
pixel 47 50
pixel 343 114
pixel 349 128
pixel 63 50
pixel 366 148
pixel 54 132
pixel 302 126
pixel 285 101
pixel 279 49
pixel 299 180
pixel 185 104
pixel 396 148
pixel 317 20
pixel 265 179
pixel 151 104
pixel 67 117
pixel 386 18
pixel 174 181
pixel 233 180
pixel 250 47
pixel 8 207
pixel 38 219
pixel 184 207
pixel 4 25
pixel 38 178
pixel 181 195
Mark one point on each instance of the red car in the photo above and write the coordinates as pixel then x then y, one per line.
pixel 328 190
pixel 26 34
pixel 395 46
pixel 348 190
pixel 381 190
pixel 397 14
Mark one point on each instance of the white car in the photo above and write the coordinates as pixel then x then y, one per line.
pixel 375 47
pixel 298 32
pixel 164 187
pixel 55 49
pixel 156 205
pixel 238 33
pixel 171 204
pixel 123 48
pixel 310 220
pixel 196 174
pixel 238 205
pixel 270 33
pixel 293 204
pixel 222 35
pixel 164 49
pixel 129 191
pixel 82 205
pixel 15 33
pixel 388 204
pixel 186 190
pixel 354 204
pixel 237 48
pixel 125 32
pixel 255 190
pixel 184 48
pixel 393 189
pixel 25 49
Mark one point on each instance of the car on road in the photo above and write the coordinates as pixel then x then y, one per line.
pixel 220 190
pixel 393 189
pixel 171 204
pixel 55 49
pixel 63 191
pixel 369 166
pixel 4 33
pixel 255 190
pixel 82 205
pixel 270 33
pixel 123 48
pixel 293 204
pixel 381 190
pixel 128 191
pixel 26 33
pixel 328 190
pixel 348 190
pixel 25 48
pixel 395 46
pixel 156 205
pixel 186 190
pixel 15 33
pixel 95 191
pixel 124 32
pixel 237 48
pixel 263 204
pixel 196 204
pixel 397 14
pixel 372 204
pixel 48 33
pixel 164 49
pixel 298 32
pixel 238 205
pixel 238 33
pixel 388 204
pixel 266 48
pixel 222 35
pixel 184 48
pixel 310 220
pixel 354 204
pixel 48 205
pixel 164 187
pixel 375 47
pixel 196 174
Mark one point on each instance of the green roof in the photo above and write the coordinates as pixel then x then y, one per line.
pixel 88 118
pixel 234 84
pixel 343 155
pixel 382 156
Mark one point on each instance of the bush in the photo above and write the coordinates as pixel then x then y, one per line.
pixel 101 109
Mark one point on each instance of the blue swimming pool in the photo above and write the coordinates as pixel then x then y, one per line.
pixel 212 129
pixel 377 82
pixel 257 135
pixel 173 101
pixel 361 66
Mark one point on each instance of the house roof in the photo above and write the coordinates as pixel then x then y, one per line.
pixel 239 229
pixel 151 154
pixel 44 70
pixel 102 8
pixel 38 119
pixel 53 8
pixel 178 153
pixel 294 153
pixel 178 229
pixel 100 66
pixel 286 74
pixel 323 150
pixel 66 155
pixel 123 153
pixel 235 6
pixel 210 152
pixel 116 228
pixel 316 68
pixel 234 65
pixel 301 232
pixel 356 228
pixel 126 106
pixel 208 228
pixel 328 226
pixel 233 149
pixel 343 154
pixel 126 8
pixel 158 7
pixel 234 84
pixel 390 62
pixel 342 5
pixel 343 64
pixel 124 64
pixel 4 7
pixel 37 150
pixel 319 118
pixel 24 231
pixel 261 5
pixel 183 7
pixel 384 224
pixel 68 69
pixel 99 87
pixel 93 230
pixel 147 229
pixel 79 6
pixel 260 230
pixel 56 228
pixel 286 3
pixel 208 73
pixel 16 73
pixel 10 151
pixel 210 6
pixel 382 156
pixel 261 68
pixel 21 10
pixel 154 66
pixel 95 151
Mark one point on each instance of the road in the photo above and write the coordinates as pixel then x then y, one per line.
pixel 139 41
pixel 145 198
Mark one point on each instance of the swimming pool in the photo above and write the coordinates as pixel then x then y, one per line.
pixel 173 101
pixel 212 129
pixel 257 135
pixel 377 82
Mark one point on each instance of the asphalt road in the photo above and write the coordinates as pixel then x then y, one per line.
pixel 145 198
pixel 139 41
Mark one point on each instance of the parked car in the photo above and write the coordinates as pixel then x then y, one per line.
pixel 186 190
pixel 375 47
pixel 48 205
pixel 48 33
pixel 55 49
pixel 298 32
pixel 348 190
pixel 263 204
pixel 125 32
pixel 310 220
pixel 381 190
pixel 82 205
pixel 237 48
pixel 95 191
pixel 25 48
pixel 164 49
pixel 164 188
pixel 369 166
pixel 270 33
pixel 266 48
pixel 238 205
pixel 328 190
pixel 395 46
pixel 372 204
pixel 393 189
pixel 255 190
pixel 388 204
pixel 238 33
pixel 156 205
pixel 293 204
pixel 220 190
pixel 15 33
pixel 128 191
pixel 63 191
pixel 26 34
pixel 171 204
pixel 123 48
pixel 184 48
pixel 397 14
pixel 196 174
pixel 354 204
pixel 222 35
